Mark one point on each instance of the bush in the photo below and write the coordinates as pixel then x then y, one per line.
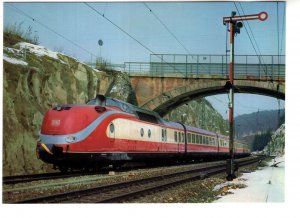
pixel 103 65
pixel 15 33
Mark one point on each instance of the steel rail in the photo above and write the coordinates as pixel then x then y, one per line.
pixel 122 191
pixel 43 176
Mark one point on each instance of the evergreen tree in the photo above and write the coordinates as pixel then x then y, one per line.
pixel 261 140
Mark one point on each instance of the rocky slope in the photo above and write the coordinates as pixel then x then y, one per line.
pixel 35 79
pixel 277 144
pixel 201 114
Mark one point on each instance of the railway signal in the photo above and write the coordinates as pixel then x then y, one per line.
pixel 236 24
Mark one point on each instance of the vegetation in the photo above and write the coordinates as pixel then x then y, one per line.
pixel 17 33
pixel 103 65
pixel 250 124
pixel 261 140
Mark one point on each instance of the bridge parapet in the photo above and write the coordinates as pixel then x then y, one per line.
pixel 270 67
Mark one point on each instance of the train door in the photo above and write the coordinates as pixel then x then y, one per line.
pixel 163 138
pixel 180 138
pixel 177 138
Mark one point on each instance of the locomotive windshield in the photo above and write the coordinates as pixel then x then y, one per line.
pixel 103 101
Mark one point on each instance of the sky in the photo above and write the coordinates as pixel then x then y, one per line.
pixel 197 25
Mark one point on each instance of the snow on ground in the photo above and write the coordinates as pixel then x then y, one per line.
pixel 265 185
pixel 14 60
pixel 39 50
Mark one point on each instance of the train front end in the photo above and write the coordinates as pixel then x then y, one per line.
pixel 65 130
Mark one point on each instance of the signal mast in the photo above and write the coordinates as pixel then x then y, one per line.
pixel 235 23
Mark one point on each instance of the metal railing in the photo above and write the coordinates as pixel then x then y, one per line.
pixel 201 66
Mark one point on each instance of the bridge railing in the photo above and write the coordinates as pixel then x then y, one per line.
pixel 201 66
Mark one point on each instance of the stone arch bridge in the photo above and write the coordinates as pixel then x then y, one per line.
pixel 168 81
pixel 165 93
pixel 164 86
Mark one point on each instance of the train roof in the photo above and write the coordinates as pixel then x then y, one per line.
pixel 202 131
pixel 144 114
pixel 124 106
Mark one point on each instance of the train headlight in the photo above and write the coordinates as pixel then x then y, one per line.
pixel 71 138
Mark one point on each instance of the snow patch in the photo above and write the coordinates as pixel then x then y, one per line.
pixel 220 186
pixel 266 185
pixel 14 60
pixel 39 50
pixel 115 88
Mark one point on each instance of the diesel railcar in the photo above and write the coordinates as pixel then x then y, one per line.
pixel 106 131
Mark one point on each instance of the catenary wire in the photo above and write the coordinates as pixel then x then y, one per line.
pixel 252 34
pixel 250 39
pixel 125 32
pixel 168 29
pixel 50 29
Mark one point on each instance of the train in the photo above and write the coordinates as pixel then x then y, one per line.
pixel 107 131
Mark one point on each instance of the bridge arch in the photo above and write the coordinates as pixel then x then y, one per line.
pixel 169 99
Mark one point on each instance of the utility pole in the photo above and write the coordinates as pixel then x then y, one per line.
pixel 235 25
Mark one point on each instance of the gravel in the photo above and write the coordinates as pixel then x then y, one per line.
pixel 193 192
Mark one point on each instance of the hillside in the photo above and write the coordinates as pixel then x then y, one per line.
pixel 35 79
pixel 201 114
pixel 277 144
pixel 250 124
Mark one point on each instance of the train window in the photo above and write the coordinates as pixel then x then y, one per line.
pixel 111 128
pixel 142 132
pixel 175 136
pixel 179 136
pixel 164 135
pixel 189 138
pixel 183 137
pixel 206 140
pixel 149 133
pixel 193 138
pixel 197 139
pixel 200 139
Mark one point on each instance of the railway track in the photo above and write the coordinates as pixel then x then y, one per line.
pixel 42 176
pixel 123 191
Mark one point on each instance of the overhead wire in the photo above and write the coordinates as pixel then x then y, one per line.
pixel 240 14
pixel 129 35
pixel 283 27
pixel 169 31
pixel 50 29
pixel 252 35
pixel 166 27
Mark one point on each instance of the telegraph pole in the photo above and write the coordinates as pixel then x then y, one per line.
pixel 235 26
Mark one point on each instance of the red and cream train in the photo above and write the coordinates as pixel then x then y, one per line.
pixel 107 131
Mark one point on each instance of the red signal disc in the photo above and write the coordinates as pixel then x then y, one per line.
pixel 262 16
